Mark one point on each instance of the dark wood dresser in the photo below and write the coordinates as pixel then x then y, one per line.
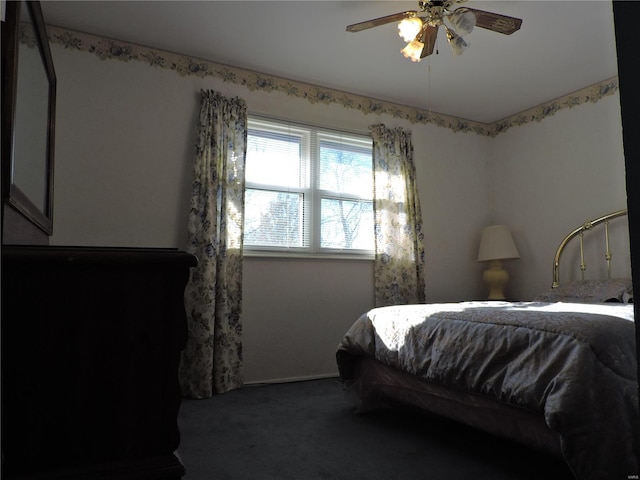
pixel 91 341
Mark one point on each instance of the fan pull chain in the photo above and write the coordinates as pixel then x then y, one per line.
pixel 429 85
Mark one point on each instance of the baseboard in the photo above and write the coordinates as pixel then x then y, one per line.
pixel 290 379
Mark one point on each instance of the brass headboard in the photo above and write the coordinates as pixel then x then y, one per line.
pixel 580 231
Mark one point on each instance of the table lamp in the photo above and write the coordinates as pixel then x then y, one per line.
pixel 496 245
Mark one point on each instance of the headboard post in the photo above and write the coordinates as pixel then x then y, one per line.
pixel 583 266
pixel 607 254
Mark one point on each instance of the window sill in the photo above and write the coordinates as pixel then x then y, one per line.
pixel 311 256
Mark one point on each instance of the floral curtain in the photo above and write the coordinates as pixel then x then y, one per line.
pixel 212 360
pixel 399 249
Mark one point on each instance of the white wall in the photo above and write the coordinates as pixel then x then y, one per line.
pixel 124 147
pixel 296 312
pixel 548 178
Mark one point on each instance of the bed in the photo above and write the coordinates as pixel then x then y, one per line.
pixel 558 374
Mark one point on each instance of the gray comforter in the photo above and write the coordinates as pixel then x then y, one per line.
pixel 573 363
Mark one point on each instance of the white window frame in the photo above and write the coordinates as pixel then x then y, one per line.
pixel 310 141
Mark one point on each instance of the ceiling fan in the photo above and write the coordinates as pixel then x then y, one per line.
pixel 420 29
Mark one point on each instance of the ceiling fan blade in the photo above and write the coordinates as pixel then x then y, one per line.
pixel 429 39
pixel 496 22
pixel 376 22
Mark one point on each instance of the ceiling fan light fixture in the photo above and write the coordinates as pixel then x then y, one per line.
pixel 409 28
pixel 463 21
pixel 413 50
pixel 420 30
pixel 458 44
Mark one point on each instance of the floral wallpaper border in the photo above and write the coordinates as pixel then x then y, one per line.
pixel 184 65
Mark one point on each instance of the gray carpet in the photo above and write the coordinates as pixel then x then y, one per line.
pixel 307 431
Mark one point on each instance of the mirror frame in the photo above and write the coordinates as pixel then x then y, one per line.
pixel 12 195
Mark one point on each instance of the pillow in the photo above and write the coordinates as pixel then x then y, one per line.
pixel 591 291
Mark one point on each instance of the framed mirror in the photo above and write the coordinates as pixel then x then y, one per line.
pixel 28 114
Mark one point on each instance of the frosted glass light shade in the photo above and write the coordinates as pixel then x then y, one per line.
pixel 497 244
pixel 463 20
pixel 409 28
pixel 458 44
pixel 413 50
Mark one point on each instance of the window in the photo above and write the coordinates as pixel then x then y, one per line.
pixel 308 190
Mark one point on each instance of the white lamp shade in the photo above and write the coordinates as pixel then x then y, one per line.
pixel 497 244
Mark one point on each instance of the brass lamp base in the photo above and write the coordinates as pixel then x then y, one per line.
pixel 497 277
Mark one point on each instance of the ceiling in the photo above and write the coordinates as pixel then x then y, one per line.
pixel 563 46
